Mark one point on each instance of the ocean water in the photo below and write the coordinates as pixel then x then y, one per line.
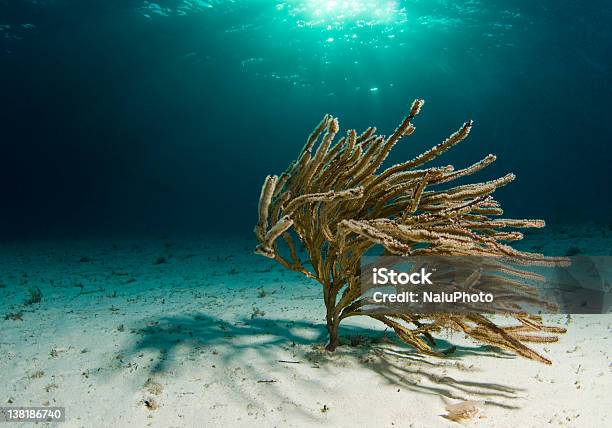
pixel 136 136
pixel 143 117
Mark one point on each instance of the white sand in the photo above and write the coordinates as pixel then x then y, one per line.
pixel 115 330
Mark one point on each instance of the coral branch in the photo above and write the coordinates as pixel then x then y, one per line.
pixel 339 207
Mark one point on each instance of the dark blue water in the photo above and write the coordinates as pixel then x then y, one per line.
pixel 142 117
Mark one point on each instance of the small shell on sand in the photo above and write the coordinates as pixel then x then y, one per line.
pixel 462 411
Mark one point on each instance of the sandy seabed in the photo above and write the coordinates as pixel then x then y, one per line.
pixel 200 332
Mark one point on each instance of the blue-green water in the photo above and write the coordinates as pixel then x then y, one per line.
pixel 139 116
pixel 135 136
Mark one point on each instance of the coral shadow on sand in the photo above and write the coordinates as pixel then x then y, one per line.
pixel 397 363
